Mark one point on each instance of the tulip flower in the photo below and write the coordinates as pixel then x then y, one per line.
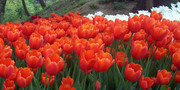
pixel 98 85
pixel 18 41
pixel 104 61
pixel 50 36
pixel 28 28
pixel 21 49
pixel 173 68
pixel 64 25
pixel 139 49
pixel 87 60
pixel 174 47
pixel 134 24
pixel 33 58
pixel 67 81
pixel 13 35
pixel 155 15
pixel 60 32
pixel 8 85
pixel 6 67
pixel 132 72
pixel 159 31
pixel 176 59
pixel 141 35
pixel 36 40
pixel 120 58
pixel 66 87
pixel 54 64
pixel 13 76
pixel 163 76
pixel 67 45
pixel 120 31
pixel 145 82
pixel 43 77
pixel 42 29
pixel 177 77
pixel 24 77
pixel 148 24
pixel 176 33
pixel 160 53
pixel 95 45
pixel 79 45
pixel 107 38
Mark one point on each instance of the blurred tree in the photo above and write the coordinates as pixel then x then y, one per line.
pixel 2 9
pixel 25 9
pixel 43 5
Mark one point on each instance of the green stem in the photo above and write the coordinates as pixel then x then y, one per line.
pixel 121 77
pixel 149 60
pixel 49 82
pixel 146 38
pixel 45 81
pixel 127 49
pixel 74 70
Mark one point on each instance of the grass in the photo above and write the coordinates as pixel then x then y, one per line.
pixel 93 6
pixel 119 5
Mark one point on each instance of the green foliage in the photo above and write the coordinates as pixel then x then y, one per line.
pixel 119 5
pixel 93 6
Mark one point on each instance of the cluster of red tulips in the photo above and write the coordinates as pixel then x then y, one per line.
pixel 74 52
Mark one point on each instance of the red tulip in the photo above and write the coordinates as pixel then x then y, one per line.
pixel 36 40
pixel 177 77
pixel 13 76
pixel 64 25
pixel 67 81
pixel 160 53
pixel 120 58
pixel 145 82
pixel 79 45
pixel 42 29
pixel 98 85
pixel 60 33
pixel 148 24
pixel 141 35
pixel 54 64
pixel 67 45
pixel 66 87
pixel 173 68
pixel 95 45
pixel 33 58
pixel 139 49
pixel 176 33
pixel 104 62
pixel 6 67
pixel 43 77
pixel 173 47
pixel 133 72
pixel 163 76
pixel 120 31
pixel 24 77
pixel 107 38
pixel 8 85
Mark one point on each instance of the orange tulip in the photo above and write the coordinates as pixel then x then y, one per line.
pixel 21 49
pixel 33 58
pixel 101 26
pixel 79 45
pixel 13 35
pixel 42 29
pixel 13 76
pixel 54 64
pixel 24 77
pixel 87 60
pixel 67 45
pixel 141 35
pixel 28 28
pixel 50 36
pixel 107 38
pixel 177 77
pixel 66 87
pixel 67 81
pixel 163 76
pixel 145 82
pixel 176 59
pixel 155 15
pixel 6 67
pixel 134 24
pixel 160 53
pixel 43 77
pixel 176 33
pixel 120 58
pixel 133 72
pixel 139 49
pixel 159 31
pixel 8 85
pixel 173 47
pixel 148 24
pixel 95 45
pixel 36 40
pixel 6 52
pixel 18 41
pixel 87 31
pixel 60 32
pixel 103 62
pixel 120 31
pixel 64 25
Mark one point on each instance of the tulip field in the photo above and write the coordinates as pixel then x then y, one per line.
pixel 73 52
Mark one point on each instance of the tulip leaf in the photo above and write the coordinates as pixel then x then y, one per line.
pixel 163 87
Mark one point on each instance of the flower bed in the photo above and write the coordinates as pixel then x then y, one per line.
pixel 74 52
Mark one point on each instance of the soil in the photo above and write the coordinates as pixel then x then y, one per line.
pixel 106 8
